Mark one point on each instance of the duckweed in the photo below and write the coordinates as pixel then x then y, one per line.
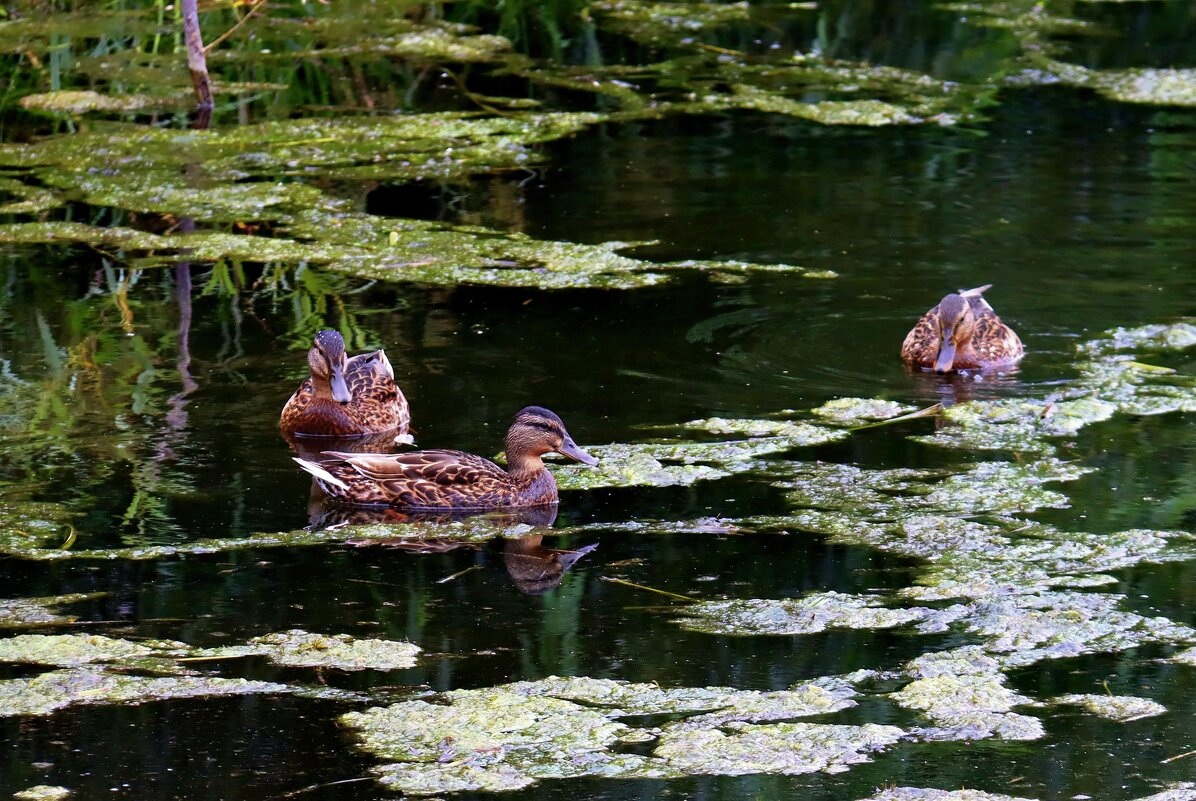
pixel 72 650
pixel 1114 707
pixel 42 792
pixel 30 612
pixel 49 692
pixel 298 648
pixel 511 736
pixel 813 613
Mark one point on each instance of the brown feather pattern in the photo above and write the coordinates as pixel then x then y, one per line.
pixel 377 404
pixel 983 341
pixel 445 479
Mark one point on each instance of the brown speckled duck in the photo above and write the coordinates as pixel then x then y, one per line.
pixel 439 479
pixel 962 333
pixel 345 397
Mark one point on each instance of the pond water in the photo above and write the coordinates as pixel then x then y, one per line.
pixel 138 426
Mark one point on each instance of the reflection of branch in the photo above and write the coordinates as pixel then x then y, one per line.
pixel 176 418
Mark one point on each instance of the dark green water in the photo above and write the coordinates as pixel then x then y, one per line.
pixel 1080 212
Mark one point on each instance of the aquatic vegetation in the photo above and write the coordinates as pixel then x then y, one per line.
pixel 923 794
pixel 30 612
pixel 72 650
pixel 666 23
pixel 297 648
pixel 784 748
pixel 797 433
pixel 854 411
pixel 813 613
pixel 48 692
pixel 507 737
pixel 1121 708
pixel 42 792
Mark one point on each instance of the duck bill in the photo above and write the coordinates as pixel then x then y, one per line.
pixel 569 448
pixel 340 390
pixel 946 359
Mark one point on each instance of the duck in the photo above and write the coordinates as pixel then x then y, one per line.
pixel 444 479
pixel 962 333
pixel 345 397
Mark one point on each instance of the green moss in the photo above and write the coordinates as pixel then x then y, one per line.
pixel 297 648
pixel 30 612
pixel 666 24
pixel 785 748
pixel 81 102
pixel 42 792
pixel 853 411
pixel 922 794
pixel 48 692
pixel 813 613
pixel 72 650
pixel 1120 708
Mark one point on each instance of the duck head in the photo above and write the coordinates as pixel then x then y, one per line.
pixel 327 361
pixel 535 432
pixel 956 325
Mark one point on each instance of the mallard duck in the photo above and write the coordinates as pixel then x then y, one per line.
pixel 345 397
pixel 453 479
pixel 962 333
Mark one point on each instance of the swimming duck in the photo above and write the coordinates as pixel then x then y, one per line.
pixel 345 397
pixel 962 333
pixel 439 479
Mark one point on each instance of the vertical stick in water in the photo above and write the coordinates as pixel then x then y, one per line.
pixel 196 60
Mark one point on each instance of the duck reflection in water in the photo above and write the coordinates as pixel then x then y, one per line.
pixel 964 385
pixel 536 569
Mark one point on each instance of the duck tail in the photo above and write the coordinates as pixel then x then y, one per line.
pixel 320 473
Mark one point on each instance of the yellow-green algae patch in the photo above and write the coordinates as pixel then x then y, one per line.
pixel 964 696
pixel 813 613
pixel 666 23
pixel 16 613
pixel 794 433
pixel 507 737
pixel 785 748
pixel 926 794
pixel 72 650
pixel 298 648
pixel 49 692
pixel 1111 381
pixel 853 411
pixel 1114 707
pixel 42 792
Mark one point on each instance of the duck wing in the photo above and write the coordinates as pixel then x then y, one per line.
pixel 993 342
pixel 921 345
pixel 371 378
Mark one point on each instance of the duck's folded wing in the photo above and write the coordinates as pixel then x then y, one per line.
pixel 437 466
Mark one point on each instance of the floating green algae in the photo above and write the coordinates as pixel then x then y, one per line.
pixel 298 648
pixel 666 464
pixel 42 792
pixel 784 748
pixel 963 693
pixel 924 794
pixel 30 612
pixel 813 613
pixel 49 692
pixel 666 23
pixel 796 433
pixel 1121 708
pixel 83 101
pixel 853 411
pixel 72 650
pixel 507 737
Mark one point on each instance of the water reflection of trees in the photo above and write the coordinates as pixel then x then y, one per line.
pixel 97 374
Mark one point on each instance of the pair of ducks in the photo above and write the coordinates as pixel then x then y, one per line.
pixel 353 397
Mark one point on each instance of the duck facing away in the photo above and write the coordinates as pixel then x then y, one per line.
pixel 441 479
pixel 345 397
pixel 962 333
